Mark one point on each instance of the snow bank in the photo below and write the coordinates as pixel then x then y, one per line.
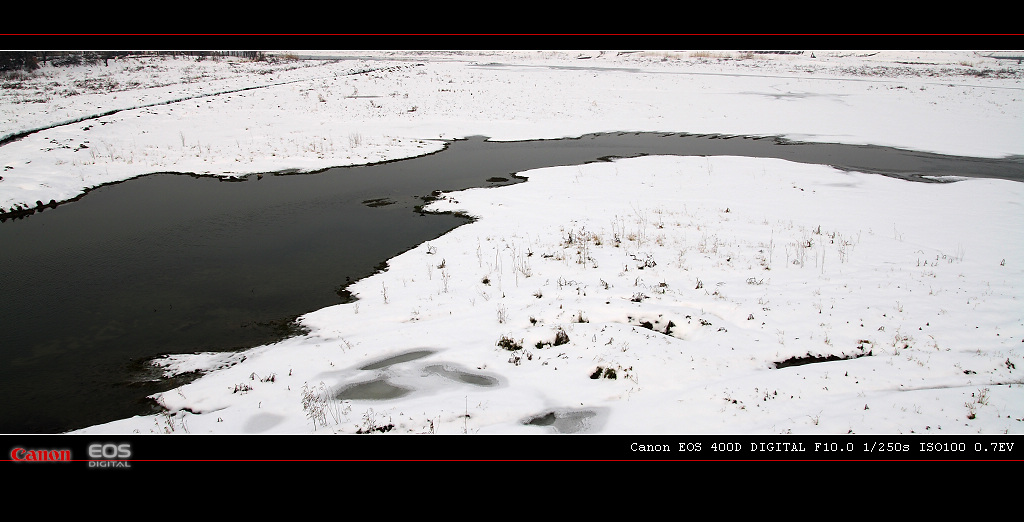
pixel 660 295
pixel 232 118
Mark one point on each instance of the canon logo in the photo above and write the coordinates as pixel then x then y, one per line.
pixel 32 455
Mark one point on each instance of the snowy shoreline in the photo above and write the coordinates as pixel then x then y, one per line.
pixel 234 117
pixel 646 295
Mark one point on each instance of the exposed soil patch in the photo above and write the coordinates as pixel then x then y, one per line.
pixel 811 359
pixel 658 325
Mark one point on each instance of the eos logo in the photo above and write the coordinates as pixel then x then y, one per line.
pixel 103 455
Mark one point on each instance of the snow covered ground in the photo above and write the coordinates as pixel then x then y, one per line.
pixel 648 295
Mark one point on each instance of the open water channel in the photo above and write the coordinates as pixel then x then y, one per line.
pixel 171 263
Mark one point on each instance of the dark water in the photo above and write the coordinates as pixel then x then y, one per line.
pixel 171 263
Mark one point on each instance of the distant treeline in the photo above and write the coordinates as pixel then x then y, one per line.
pixel 31 60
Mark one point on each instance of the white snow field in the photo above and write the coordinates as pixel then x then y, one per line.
pixel 660 294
